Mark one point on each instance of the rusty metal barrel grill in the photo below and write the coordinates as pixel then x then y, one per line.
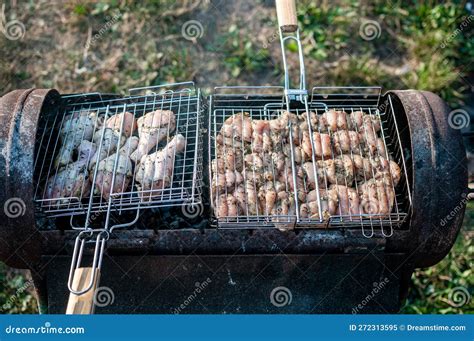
pixel 322 193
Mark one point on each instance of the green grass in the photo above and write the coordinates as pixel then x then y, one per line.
pixel 432 291
pixel 16 292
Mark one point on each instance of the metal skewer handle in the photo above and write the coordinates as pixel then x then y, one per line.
pixel 288 28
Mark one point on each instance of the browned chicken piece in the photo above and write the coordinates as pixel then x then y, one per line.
pixel 369 140
pixel 322 146
pixel 266 197
pixel 241 196
pixel 338 171
pixel 260 136
pixel 329 204
pixel 252 198
pixel 376 198
pixel 374 120
pixel 225 144
pixel 279 126
pixel 220 206
pixel 283 209
pixel 238 127
pixel 341 141
pixel 231 159
pixel 300 126
pixel 124 122
pixel 229 179
pixel 362 167
pixel 311 172
pixel 254 162
pixel 107 142
pixel 232 206
pixel 218 183
pixel 71 181
pixel 115 172
pixel 286 177
pixel 381 147
pixel 354 142
pixel 346 141
pixel 306 147
pixel 278 160
pixel 218 165
pixel 280 186
pixel 348 200
pixel 86 151
pixel 386 170
pixel 255 177
pixel 354 202
pixel 313 119
pixel 153 128
pixel 358 120
pixel 75 128
pixel 344 171
pixel 155 171
pixel 333 120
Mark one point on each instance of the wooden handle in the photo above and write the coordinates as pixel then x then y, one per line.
pixel 82 304
pixel 286 12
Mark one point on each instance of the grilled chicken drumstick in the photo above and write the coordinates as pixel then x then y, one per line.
pixel 105 184
pixel 154 171
pixel 75 128
pixel 152 129
pixel 72 180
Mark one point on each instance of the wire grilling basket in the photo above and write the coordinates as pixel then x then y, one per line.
pixel 89 193
pixel 102 154
pixel 280 158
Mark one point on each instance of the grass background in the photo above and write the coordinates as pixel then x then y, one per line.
pixel 112 46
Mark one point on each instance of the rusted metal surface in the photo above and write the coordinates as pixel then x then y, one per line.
pixel 19 113
pixel 438 176
pixel 318 283
pixel 223 242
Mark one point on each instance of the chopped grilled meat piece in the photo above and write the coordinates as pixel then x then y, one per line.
pixel 376 198
pixel 332 120
pixel 238 127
